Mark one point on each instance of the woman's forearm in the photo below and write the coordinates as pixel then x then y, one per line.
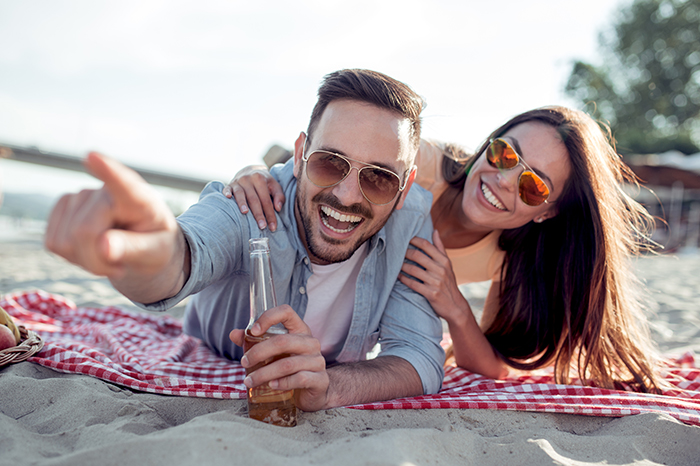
pixel 472 351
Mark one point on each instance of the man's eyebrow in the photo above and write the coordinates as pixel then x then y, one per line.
pixel 542 174
pixel 376 164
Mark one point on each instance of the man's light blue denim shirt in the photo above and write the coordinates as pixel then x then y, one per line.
pixel 386 311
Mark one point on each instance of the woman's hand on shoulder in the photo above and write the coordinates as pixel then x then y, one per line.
pixel 434 269
pixel 472 350
pixel 255 190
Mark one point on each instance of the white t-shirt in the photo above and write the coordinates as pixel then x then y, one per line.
pixel 331 292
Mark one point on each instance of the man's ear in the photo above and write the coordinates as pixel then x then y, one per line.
pixel 298 154
pixel 409 182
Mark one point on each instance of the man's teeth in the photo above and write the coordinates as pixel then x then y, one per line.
pixel 491 197
pixel 351 220
pixel 340 217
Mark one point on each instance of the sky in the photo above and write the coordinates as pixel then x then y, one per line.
pixel 205 88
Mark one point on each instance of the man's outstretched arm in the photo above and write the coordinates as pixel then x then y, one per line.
pixel 123 231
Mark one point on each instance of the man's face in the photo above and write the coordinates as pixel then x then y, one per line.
pixel 333 222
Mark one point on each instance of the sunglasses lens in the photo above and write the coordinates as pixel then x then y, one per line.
pixel 532 189
pixel 379 186
pixel 325 169
pixel 501 155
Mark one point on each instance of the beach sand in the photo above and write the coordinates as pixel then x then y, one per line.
pixel 50 418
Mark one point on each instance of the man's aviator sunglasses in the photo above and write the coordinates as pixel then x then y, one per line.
pixel 326 169
pixel 532 189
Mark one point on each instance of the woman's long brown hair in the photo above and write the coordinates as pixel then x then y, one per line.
pixel 567 294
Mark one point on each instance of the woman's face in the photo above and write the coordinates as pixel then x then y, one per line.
pixel 490 198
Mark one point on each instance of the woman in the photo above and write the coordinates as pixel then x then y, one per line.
pixel 541 210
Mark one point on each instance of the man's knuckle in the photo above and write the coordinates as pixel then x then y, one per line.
pixel 303 379
pixel 320 363
pixel 279 342
pixel 315 345
pixel 287 365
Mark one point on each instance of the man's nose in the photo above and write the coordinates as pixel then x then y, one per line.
pixel 348 191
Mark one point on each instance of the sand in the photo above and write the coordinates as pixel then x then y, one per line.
pixel 50 418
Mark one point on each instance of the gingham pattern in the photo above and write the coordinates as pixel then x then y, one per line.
pixel 149 352
pixel 145 352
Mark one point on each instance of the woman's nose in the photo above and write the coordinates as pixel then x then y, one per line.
pixel 508 179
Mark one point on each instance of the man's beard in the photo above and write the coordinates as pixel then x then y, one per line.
pixel 322 248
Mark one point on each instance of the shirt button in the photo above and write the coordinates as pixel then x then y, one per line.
pixel 302 290
pixel 306 260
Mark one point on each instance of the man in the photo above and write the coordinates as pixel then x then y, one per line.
pixel 336 253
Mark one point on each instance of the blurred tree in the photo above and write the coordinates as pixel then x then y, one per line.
pixel 648 88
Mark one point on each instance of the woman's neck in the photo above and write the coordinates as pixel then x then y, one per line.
pixel 456 229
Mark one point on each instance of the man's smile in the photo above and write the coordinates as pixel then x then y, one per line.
pixel 337 221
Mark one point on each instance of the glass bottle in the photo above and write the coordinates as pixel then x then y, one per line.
pixel 264 403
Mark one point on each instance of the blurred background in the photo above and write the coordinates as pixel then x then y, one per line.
pixel 197 90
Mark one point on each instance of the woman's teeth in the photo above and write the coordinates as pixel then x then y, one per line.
pixel 351 220
pixel 493 200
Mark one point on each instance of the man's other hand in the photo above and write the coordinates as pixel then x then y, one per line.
pixel 304 371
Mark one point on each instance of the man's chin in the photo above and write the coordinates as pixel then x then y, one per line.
pixel 326 256
pixel 331 250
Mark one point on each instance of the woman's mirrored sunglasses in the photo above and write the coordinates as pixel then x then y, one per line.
pixel 532 189
pixel 378 185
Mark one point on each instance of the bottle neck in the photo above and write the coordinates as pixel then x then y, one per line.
pixel 262 290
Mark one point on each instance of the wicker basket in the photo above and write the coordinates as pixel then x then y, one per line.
pixel 30 344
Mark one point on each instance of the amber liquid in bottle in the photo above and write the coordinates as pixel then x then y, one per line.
pixel 265 404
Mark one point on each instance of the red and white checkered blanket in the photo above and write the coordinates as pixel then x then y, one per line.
pixel 149 353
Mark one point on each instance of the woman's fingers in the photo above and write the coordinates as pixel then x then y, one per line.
pixel 276 193
pixel 247 198
pixel 419 273
pixel 264 195
pixel 422 244
pixel 415 285
pixel 228 192
pixel 430 264
pixel 438 242
pixel 426 247
pixel 257 192
pixel 437 255
pixel 234 190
